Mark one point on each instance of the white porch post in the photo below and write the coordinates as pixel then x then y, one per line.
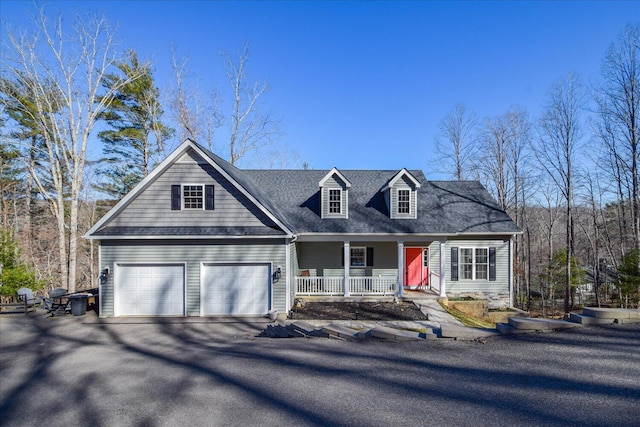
pixel 347 263
pixel 443 292
pixel 400 268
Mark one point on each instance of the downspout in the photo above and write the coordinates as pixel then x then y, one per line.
pixel 511 271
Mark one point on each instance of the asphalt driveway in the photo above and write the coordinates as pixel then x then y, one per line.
pixel 83 371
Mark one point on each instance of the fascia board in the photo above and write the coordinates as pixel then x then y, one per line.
pixel 195 237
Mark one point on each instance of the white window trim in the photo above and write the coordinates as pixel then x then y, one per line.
pixel 364 249
pixel 344 203
pixel 395 204
pixel 339 190
pixel 182 196
pixel 398 190
pixel 473 262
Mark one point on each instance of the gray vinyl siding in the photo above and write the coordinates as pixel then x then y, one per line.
pixel 403 184
pixel 192 255
pixel 434 259
pixel 334 183
pixel 152 206
pixel 325 259
pixel 499 286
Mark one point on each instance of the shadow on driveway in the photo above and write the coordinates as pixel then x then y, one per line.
pixel 157 372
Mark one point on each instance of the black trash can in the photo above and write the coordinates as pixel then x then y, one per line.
pixel 79 304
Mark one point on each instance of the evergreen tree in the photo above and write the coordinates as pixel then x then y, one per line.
pixel 629 274
pixel 558 270
pixel 136 136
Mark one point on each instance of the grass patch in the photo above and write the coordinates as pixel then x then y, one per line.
pixel 467 320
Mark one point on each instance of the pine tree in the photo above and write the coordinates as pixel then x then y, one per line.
pixel 136 136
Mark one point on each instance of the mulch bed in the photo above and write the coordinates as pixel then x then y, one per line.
pixel 358 311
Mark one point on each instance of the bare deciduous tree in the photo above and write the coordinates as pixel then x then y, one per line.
pixel 250 127
pixel 557 149
pixel 455 144
pixel 61 70
pixel 198 120
pixel 619 108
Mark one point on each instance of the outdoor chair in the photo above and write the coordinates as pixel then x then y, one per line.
pixel 58 302
pixel 25 295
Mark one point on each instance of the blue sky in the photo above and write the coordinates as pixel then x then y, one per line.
pixel 365 84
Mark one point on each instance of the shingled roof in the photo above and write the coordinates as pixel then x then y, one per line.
pixel 292 198
pixel 444 207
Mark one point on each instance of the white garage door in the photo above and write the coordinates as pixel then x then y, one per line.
pixel 234 290
pixel 149 290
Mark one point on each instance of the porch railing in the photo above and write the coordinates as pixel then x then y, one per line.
pixel 328 285
pixel 320 285
pixel 434 282
pixel 373 285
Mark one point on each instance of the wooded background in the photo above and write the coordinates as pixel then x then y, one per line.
pixel 569 178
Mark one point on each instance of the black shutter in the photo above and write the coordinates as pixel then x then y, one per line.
pixel 454 264
pixel 176 200
pixel 492 264
pixel 369 257
pixel 208 197
pixel 342 254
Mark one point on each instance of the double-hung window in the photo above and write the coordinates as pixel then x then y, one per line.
pixel 474 263
pixel 404 204
pixel 192 196
pixel 335 201
pixel 358 257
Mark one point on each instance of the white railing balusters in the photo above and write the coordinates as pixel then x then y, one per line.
pixel 329 285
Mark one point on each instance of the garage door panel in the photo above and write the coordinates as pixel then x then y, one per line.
pixel 229 290
pixel 150 290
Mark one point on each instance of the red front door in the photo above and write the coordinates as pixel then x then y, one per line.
pixel 413 272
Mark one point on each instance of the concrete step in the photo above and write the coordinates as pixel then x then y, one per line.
pixel 589 320
pixel 341 332
pixel 611 313
pixel 463 332
pixel 278 331
pixel 305 329
pixel 507 329
pixel 535 324
pixel 392 334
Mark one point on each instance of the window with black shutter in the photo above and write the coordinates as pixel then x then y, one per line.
pixel 208 197
pixel 492 264
pixel 176 198
pixel 192 197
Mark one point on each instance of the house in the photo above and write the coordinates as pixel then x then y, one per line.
pixel 200 237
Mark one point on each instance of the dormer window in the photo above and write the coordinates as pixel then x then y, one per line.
pixel 404 202
pixel 401 195
pixel 334 195
pixel 335 201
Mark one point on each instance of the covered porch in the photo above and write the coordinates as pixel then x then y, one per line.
pixel 368 267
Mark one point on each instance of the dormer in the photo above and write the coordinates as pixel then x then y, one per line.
pixel 401 195
pixel 334 195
